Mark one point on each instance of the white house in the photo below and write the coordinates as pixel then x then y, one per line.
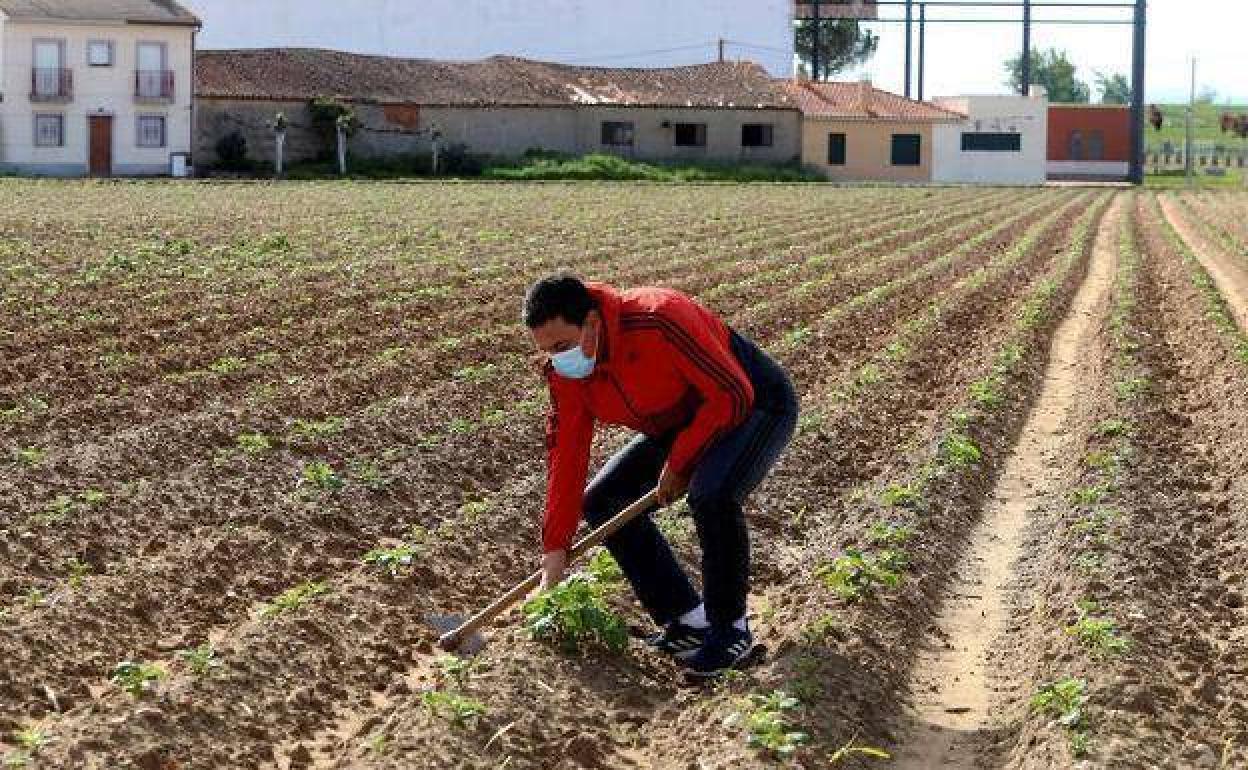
pixel 98 87
pixel 637 33
pixel 1002 140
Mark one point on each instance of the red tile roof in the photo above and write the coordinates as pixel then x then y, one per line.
pixel 862 101
pixel 130 11
pixel 297 74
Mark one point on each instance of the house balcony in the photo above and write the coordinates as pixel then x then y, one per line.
pixel 153 86
pixel 51 85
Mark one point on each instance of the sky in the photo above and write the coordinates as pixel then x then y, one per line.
pixel 968 58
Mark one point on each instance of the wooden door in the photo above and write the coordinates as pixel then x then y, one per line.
pixel 101 145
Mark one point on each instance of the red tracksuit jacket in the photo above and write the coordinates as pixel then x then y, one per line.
pixel 664 363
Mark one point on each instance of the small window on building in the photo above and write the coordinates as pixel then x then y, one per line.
pixel 1096 145
pixel 100 53
pixel 836 149
pixel 1074 145
pixel 906 149
pixel 617 133
pixel 49 130
pixel 151 131
pixel 757 135
pixel 690 135
pixel 992 142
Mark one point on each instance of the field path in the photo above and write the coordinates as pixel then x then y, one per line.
pixel 1229 274
pixel 959 705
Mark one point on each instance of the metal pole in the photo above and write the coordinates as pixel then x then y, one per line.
pixel 814 57
pixel 1136 167
pixel 1187 142
pixel 922 46
pixel 909 25
pixel 721 50
pixel 1026 60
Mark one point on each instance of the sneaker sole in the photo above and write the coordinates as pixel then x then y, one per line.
pixel 748 658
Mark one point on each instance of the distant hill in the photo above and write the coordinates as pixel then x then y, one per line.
pixel 1206 128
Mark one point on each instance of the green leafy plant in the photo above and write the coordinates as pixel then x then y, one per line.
pixel 315 429
pixel 987 392
pixel 574 616
pixel 1114 428
pixel 32 739
pixel 391 560
pixel 454 669
pixel 78 569
pixel 455 708
pixel 1098 634
pixel 960 450
pixel 902 496
pixel 33 598
pixel 136 678
pixel 883 533
pixel 1091 495
pixel 1064 701
pixel 767 723
pixel 821 628
pixel 254 443
pixel 322 476
pixel 294 598
pixel 30 456
pixel 603 569
pixel 856 575
pixel 1132 388
pixel 201 660
pixel 227 365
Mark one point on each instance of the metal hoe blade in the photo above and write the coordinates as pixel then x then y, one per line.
pixel 469 645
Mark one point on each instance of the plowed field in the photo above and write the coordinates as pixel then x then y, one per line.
pixel 1010 533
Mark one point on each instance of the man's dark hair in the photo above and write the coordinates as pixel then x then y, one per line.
pixel 561 295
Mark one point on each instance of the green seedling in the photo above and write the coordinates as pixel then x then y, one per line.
pixel 856 575
pixel 136 678
pixel 767 725
pixel 868 375
pixel 377 743
pixel 809 421
pixel 227 365
pixel 1114 428
pixel 492 418
pixel 1098 634
pixel 889 535
pixel 322 476
pixel 1064 701
pixel 294 598
pixel 797 336
pixel 476 374
pixel 391 560
pixel 1132 388
pixel 472 510
pixel 960 450
pixel 33 599
pixel 1091 495
pixel 454 669
pixel 201 660
pixel 902 496
pixel 78 570
pixel 93 497
pixel 253 443
pixel 31 456
pixel 57 510
pixel 391 355
pixel 314 429
pixel 461 426
pixel 574 616
pixel 603 569
pixel 987 392
pixel 455 708
pixel 32 739
pixel 823 627
pixel 1090 561
pixel 1100 460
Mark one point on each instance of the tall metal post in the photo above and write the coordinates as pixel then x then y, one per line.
pixel 922 46
pixel 1136 167
pixel 818 40
pixel 1188 114
pixel 909 25
pixel 1026 60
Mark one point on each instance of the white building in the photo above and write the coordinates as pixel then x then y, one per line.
pixel 96 87
pixel 637 33
pixel 1003 140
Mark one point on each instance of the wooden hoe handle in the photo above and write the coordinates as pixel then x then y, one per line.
pixel 451 639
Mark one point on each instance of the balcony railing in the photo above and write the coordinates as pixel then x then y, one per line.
pixel 51 85
pixel 153 85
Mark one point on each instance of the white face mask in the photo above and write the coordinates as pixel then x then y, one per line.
pixel 573 364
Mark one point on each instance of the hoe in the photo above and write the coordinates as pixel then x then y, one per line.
pixel 464 637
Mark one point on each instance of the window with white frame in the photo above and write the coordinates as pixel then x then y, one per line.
pixel 49 130
pixel 100 53
pixel 151 131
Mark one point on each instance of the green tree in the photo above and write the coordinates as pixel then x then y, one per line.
pixel 1053 70
pixel 844 43
pixel 1114 88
